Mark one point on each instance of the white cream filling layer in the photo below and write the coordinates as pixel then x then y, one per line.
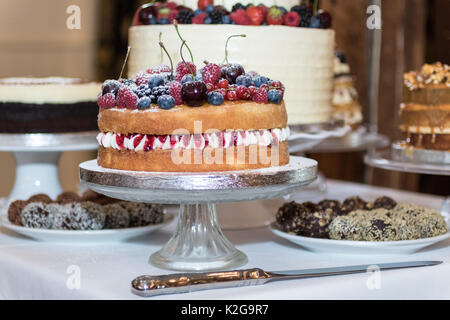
pixel 225 139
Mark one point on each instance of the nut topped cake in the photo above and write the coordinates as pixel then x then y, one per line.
pixel 47 105
pixel 425 110
pixel 209 118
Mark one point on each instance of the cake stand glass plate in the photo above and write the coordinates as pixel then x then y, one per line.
pixel 85 236
pixel 358 140
pixel 358 247
pixel 37 156
pixel 386 159
pixel 304 137
pixel 198 242
pixel 402 152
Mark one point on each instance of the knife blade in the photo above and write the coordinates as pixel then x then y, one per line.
pixel 147 286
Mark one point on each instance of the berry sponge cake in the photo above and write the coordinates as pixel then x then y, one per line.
pixel 216 118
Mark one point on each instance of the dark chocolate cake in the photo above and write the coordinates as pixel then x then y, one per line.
pixel 47 105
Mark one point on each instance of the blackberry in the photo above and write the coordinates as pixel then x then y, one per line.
pixel 305 14
pixel 160 91
pixel 238 6
pixel 185 16
pixel 140 91
pixel 216 16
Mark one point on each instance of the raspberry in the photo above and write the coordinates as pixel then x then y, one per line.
pixel 260 96
pixel 292 19
pixel 240 17
pixel 142 78
pixel 159 69
pixel 175 92
pixel 107 101
pixel 276 84
pixel 232 95
pixel 211 73
pixel 182 69
pixel 252 90
pixel 265 87
pixel 222 91
pixel 210 87
pixel 199 19
pixel 126 98
pixel 243 93
pixel 223 83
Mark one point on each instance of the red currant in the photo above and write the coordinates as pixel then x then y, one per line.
pixel 223 83
pixel 232 95
pixel 243 93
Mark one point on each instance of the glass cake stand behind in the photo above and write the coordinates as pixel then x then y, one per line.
pixel 198 243
pixel 407 159
pixel 37 158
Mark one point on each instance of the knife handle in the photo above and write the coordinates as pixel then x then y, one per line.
pixel 187 282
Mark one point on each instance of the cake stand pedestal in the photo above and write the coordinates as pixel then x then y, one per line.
pixel 37 158
pixel 413 161
pixel 198 243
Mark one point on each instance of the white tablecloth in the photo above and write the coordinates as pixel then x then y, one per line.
pixel 38 270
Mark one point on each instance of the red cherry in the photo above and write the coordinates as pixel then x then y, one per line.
pixel 194 93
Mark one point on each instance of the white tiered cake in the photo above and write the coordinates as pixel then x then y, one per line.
pixel 302 58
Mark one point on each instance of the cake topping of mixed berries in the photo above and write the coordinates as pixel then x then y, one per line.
pixel 218 84
pixel 303 15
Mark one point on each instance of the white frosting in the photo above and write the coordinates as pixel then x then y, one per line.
pixel 47 90
pixel 194 141
pixel 301 58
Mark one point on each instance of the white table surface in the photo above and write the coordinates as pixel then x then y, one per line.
pixel 38 270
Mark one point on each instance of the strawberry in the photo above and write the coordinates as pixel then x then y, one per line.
pixel 240 17
pixel 274 16
pixel 256 15
pixel 199 19
pixel 202 4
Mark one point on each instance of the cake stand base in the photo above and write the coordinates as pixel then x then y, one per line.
pixel 198 243
pixel 37 158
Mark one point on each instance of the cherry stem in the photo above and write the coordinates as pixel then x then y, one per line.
pixel 226 44
pixel 125 62
pixel 316 5
pixel 182 58
pixel 161 52
pixel 181 38
pixel 163 48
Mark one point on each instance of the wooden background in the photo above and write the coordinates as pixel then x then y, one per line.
pixel 35 41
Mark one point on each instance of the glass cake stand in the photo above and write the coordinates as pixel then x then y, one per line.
pixel 37 158
pixel 407 159
pixel 198 243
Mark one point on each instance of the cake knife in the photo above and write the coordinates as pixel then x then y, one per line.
pixel 148 286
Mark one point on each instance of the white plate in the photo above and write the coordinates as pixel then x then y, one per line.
pixel 358 247
pixel 76 236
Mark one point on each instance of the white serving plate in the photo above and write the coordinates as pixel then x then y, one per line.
pixel 358 247
pixel 78 236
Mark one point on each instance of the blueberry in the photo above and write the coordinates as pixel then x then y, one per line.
pixel 199 76
pixel 215 98
pixel 274 96
pixel 166 102
pixel 258 81
pixel 197 12
pixel 155 81
pixel 244 80
pixel 153 20
pixel 207 20
pixel 186 78
pixel 110 86
pixel 144 103
pixel 315 22
pixel 283 9
pixel 163 21
pixel 226 20
pixel 209 9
